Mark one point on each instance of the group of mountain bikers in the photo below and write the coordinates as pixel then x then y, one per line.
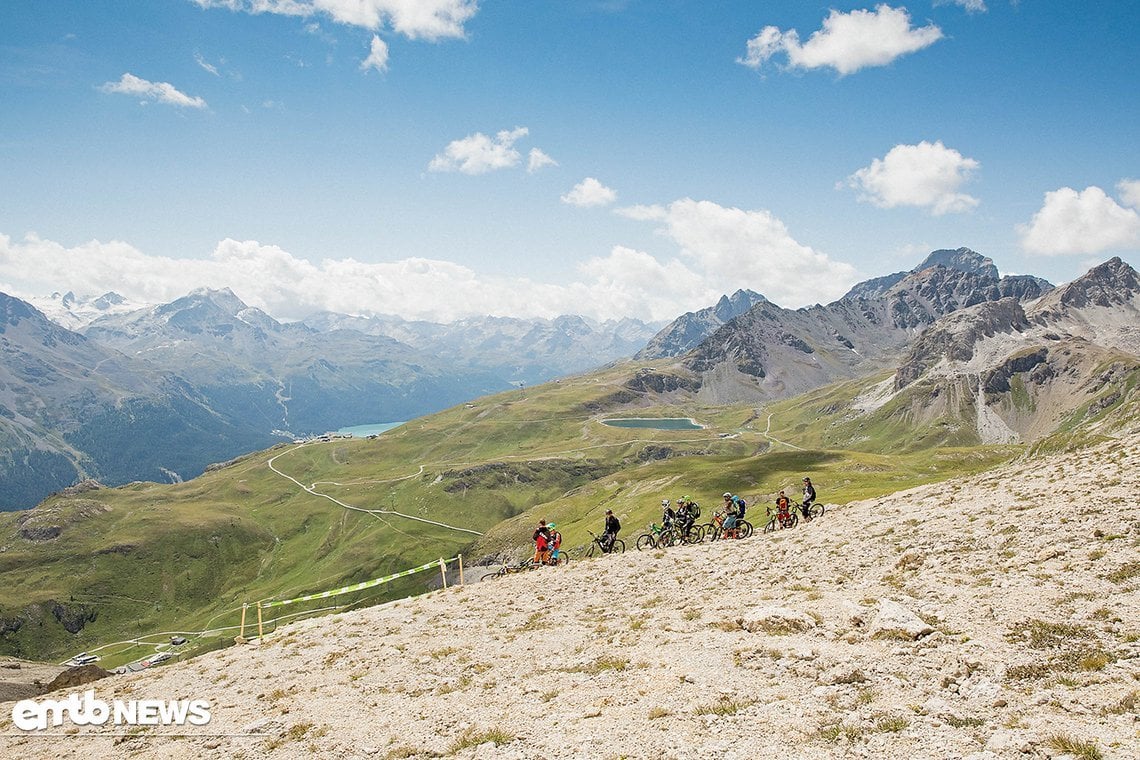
pixel 548 541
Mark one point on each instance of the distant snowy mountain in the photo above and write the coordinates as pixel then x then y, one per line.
pixel 521 350
pixel 76 312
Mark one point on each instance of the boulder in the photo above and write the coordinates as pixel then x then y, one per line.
pixel 893 621
pixel 778 620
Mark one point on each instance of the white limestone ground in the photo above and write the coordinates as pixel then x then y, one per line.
pixel 989 617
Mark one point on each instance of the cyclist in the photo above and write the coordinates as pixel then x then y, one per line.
pixel 783 508
pixel 685 516
pixel 809 498
pixel 555 543
pixel 541 538
pixel 731 514
pixel 610 531
pixel 668 516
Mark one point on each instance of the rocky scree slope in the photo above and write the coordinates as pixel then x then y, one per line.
pixel 994 617
pixel 1072 355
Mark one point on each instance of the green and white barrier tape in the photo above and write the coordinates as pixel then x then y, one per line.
pixel 354 587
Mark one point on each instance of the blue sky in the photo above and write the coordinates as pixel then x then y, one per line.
pixel 444 158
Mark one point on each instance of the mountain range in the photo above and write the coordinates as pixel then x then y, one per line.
pixel 159 393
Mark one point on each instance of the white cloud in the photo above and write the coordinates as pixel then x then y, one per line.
pixel 847 42
pixel 1129 190
pixel 729 248
pixel 719 250
pixel 537 159
pixel 161 92
pixel 415 19
pixel 479 154
pixel 1072 222
pixel 926 175
pixel 377 56
pixel 206 65
pixel 589 192
pixel 971 6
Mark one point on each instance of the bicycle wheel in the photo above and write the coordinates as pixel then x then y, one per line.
pixel 743 529
pixel 590 551
pixel 770 526
pixel 816 510
pixel 646 541
pixel 492 576
pixel 793 521
pixel 562 560
pixel 618 547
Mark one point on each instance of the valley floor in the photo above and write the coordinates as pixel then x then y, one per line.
pixel 990 617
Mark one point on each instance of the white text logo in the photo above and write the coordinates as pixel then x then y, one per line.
pixel 33 714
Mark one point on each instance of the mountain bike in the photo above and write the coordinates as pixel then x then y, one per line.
pixel 776 522
pixel 652 539
pixel 691 534
pixel 599 546
pixel 814 510
pixel 529 564
pixel 715 530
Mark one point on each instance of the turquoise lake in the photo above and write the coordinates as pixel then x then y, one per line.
pixel 654 423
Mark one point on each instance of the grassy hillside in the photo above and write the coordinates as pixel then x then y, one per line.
pixel 91 567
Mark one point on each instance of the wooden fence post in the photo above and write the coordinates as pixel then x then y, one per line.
pixel 260 629
pixel 443 571
pixel 460 569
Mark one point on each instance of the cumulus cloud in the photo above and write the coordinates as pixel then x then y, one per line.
pixel 424 19
pixel 1129 190
pixel 589 192
pixel 377 56
pixel 927 175
pixel 1089 221
pixel 479 153
pixel 719 249
pixel 161 92
pixel 847 42
pixel 726 248
pixel 290 288
pixel 537 160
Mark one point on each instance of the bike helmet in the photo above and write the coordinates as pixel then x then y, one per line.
pixel 550 525
pixel 727 495
pixel 664 502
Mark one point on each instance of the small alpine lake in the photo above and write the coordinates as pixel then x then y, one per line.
pixel 655 423
pixel 363 431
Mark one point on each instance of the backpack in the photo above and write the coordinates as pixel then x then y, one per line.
pixel 741 506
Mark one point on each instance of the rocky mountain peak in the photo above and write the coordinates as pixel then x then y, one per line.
pixel 107 300
pixel 736 304
pixel 688 330
pixel 1112 283
pixel 961 259
pixel 224 300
